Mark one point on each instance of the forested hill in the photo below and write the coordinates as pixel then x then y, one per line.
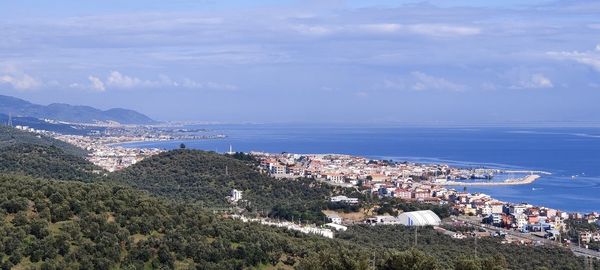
pixel 71 225
pixel 208 178
pixel 26 153
pixel 49 224
pixel 48 162
pixel 11 136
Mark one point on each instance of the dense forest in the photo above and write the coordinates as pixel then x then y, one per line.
pixel 72 225
pixel 47 162
pixel 448 251
pixel 156 214
pixel 50 224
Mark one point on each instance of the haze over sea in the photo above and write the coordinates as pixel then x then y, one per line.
pixel 572 155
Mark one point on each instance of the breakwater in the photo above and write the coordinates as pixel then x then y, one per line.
pixel 509 182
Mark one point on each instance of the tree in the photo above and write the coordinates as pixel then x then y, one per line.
pixel 182 146
pixel 412 259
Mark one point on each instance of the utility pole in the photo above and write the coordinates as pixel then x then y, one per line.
pixel 475 246
pixel 416 235
pixel 373 261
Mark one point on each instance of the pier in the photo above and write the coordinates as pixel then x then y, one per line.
pixel 509 182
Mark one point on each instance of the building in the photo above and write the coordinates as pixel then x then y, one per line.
pixel 419 218
pixel 336 177
pixel 279 169
pixel 383 220
pixel 585 237
pixel 337 227
pixel 497 208
pixel 404 194
pixel 518 209
pixel 334 218
pixel 236 195
pixel 344 199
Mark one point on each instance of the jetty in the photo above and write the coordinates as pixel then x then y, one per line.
pixel 509 182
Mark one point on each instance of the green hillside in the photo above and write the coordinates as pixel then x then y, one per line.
pixel 46 162
pixel 208 178
pixel 48 224
pixel 11 136
pixel 71 225
pixel 35 155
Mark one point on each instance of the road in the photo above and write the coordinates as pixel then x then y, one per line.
pixel 527 236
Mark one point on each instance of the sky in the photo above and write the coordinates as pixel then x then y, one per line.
pixel 464 61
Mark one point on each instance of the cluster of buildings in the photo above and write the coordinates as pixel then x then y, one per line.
pixel 103 153
pixel 587 237
pixel 421 183
pixel 339 169
pixel 414 218
pixel 103 138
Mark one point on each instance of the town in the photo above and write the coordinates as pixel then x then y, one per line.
pixel 424 183
pixel 103 141
pixel 517 222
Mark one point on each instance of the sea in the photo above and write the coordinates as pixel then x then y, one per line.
pixel 571 155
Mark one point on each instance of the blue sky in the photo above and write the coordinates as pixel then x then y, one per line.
pixel 467 61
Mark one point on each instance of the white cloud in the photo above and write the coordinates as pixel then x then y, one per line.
pixel 316 30
pixel 188 83
pixel 540 81
pixel 442 30
pixel 535 81
pixel 419 81
pixel 428 82
pixel 20 81
pixel 97 84
pixel 382 27
pixel 433 30
pixel 118 80
pixel 590 58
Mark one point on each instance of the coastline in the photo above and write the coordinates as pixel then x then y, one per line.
pixel 510 182
pixel 126 143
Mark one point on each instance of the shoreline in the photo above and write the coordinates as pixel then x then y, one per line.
pixel 121 144
pixel 510 182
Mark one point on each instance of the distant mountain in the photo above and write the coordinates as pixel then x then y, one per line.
pixel 70 113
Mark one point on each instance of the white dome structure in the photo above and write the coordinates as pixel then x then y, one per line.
pixel 419 218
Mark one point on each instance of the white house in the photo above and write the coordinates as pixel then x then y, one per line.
pixel 236 195
pixel 344 199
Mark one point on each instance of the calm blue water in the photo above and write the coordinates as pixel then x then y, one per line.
pixel 565 152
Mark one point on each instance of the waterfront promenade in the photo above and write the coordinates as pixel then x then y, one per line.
pixel 518 181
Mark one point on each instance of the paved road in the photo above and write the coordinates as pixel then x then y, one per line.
pixel 577 250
